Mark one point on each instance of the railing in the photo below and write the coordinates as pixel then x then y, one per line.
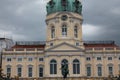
pixel 30 43
pixel 41 49
pixel 23 50
pixel 103 49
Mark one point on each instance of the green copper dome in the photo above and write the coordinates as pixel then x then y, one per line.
pixel 64 5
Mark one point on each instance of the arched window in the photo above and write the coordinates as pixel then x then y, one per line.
pixel 76 32
pixel 76 67
pixel 64 31
pixel 52 32
pixel 53 67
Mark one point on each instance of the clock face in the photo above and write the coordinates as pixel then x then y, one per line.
pixel 64 17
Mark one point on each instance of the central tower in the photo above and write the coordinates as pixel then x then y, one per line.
pixel 64 23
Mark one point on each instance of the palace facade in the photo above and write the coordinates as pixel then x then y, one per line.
pixel 37 59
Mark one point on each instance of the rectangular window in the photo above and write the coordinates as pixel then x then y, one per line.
pixel 30 59
pixel 9 59
pixel 19 59
pixel 109 58
pixel 64 30
pixel 110 70
pixel 52 32
pixel 9 71
pixel 19 70
pixel 98 58
pixel 41 59
pixel 88 71
pixel 40 72
pixel 88 58
pixel 30 72
pixel 76 32
pixel 99 71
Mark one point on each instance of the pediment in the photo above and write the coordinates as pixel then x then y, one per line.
pixel 64 47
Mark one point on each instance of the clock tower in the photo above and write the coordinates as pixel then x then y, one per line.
pixel 64 23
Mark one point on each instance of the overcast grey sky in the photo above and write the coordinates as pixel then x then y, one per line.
pixel 25 19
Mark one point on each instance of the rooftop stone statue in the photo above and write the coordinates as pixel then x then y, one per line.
pixel 64 5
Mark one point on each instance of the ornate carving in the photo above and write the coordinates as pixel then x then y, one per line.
pixel 78 6
pixel 64 4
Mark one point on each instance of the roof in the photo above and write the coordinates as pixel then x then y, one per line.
pixel 41 44
pixel 99 44
pixel 29 44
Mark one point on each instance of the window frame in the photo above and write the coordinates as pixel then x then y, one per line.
pixel 10 70
pixel 64 30
pixel 88 58
pixel 41 73
pixel 41 59
pixel 30 59
pixel 99 58
pixel 52 32
pixel 76 66
pixel 76 31
pixel 109 58
pixel 19 59
pixel 30 72
pixel 99 70
pixel 19 73
pixel 53 67
pixel 9 59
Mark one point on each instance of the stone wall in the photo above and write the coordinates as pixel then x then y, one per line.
pixel 71 78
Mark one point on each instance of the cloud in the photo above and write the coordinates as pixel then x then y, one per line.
pixel 25 19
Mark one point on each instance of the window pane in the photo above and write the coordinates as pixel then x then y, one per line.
pixel 76 32
pixel 51 68
pixel 52 32
pixel 8 71
pixel 40 72
pixel 74 69
pixel 64 31
pixel 111 70
pixel 30 72
pixel 88 71
pixel 19 71
pixel 55 69
pixel 78 68
pixel 99 71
